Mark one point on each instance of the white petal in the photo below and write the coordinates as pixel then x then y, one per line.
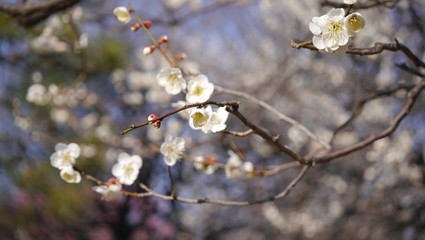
pixel 318 42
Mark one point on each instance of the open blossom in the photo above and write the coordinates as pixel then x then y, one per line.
pixel 350 1
pixel 206 164
pixel 127 168
pixel 354 23
pixel 172 80
pixel 70 175
pixel 123 15
pixel 217 122
pixel 199 89
pixel 65 155
pixel 109 191
pixel 233 166
pixel 172 149
pixel 200 117
pixel 329 30
pixel 37 94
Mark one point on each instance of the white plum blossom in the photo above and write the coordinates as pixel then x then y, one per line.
pixel 172 149
pixel 172 80
pixel 127 168
pixel 350 1
pixel 109 191
pixel 330 31
pixel 65 155
pixel 37 94
pixel 206 164
pixel 70 175
pixel 200 117
pixel 249 169
pixel 354 22
pixel 233 166
pixel 122 14
pixel 217 122
pixel 199 89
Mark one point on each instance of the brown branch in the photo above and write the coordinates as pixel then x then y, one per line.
pixel 273 110
pixel 31 13
pixel 411 99
pixel 277 169
pixel 160 118
pixel 239 134
pixel 358 107
pixel 280 195
pixel 360 5
pixel 150 193
pixel 376 49
pixel 274 140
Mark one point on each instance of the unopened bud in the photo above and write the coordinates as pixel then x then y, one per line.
pixel 181 56
pixel 157 124
pixel 112 181
pixel 131 10
pixel 135 27
pixel 147 24
pixel 163 39
pixel 148 50
pixel 152 117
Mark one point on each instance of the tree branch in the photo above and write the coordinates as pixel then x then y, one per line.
pixel 29 14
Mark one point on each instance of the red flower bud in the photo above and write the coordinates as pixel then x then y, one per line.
pixel 147 24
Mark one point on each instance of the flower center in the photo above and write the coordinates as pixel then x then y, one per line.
pixel 355 23
pixel 335 27
pixel 199 119
pixel 198 91
pixel 172 78
pixel 170 149
pixel 128 170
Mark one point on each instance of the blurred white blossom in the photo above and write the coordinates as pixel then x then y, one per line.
pixel 122 14
pixel 65 155
pixel 233 167
pixel 172 80
pixel 205 164
pixel 199 89
pixel 37 94
pixel 109 191
pixel 350 1
pixel 172 149
pixel 127 168
pixel 69 175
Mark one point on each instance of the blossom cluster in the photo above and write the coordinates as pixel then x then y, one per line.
pixel 64 159
pixel 333 31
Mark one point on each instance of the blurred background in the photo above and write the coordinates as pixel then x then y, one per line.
pixel 80 76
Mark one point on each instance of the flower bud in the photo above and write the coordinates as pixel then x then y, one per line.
pixel 181 56
pixel 157 124
pixel 135 27
pixel 147 24
pixel 148 50
pixel 152 117
pixel 163 39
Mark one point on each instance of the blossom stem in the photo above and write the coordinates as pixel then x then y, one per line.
pixel 139 19
pixel 160 118
pixel 172 191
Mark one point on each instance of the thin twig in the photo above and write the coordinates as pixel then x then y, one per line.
pixel 358 107
pixel 160 118
pixel 411 99
pixel 172 191
pixel 376 49
pixel 280 115
pixel 360 5
pixel 274 140
pixel 238 134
